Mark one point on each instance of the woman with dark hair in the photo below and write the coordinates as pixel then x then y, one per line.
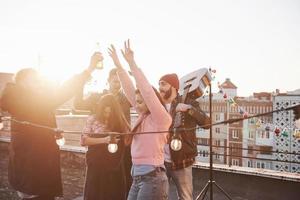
pixel 105 178
pixel 147 150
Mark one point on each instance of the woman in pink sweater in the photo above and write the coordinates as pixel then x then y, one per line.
pixel 147 150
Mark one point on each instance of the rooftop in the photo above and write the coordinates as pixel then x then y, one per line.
pixel 228 84
pixel 239 182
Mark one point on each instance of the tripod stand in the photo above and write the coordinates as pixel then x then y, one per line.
pixel 209 185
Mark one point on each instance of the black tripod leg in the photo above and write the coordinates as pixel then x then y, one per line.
pixel 204 191
pixel 222 190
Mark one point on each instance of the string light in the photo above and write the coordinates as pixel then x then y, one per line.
pixel 297 134
pixel 277 131
pixel 112 146
pixel 245 115
pixel 285 133
pixel 60 140
pixel 258 123
pixel 176 143
pixel 267 128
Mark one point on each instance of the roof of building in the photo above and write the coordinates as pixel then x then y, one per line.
pixel 228 84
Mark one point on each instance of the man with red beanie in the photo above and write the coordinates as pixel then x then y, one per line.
pixel 179 163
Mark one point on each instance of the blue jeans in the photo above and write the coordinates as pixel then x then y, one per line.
pixel 183 180
pixel 149 187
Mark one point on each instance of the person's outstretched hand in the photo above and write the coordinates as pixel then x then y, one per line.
pixel 128 53
pixel 113 54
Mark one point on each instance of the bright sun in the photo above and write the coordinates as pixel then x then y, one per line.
pixel 58 76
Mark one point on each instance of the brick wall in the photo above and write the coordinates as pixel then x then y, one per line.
pixel 72 168
pixel 240 183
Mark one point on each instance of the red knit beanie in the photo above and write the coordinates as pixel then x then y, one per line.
pixel 172 79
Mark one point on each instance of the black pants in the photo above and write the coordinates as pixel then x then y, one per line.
pixel 104 184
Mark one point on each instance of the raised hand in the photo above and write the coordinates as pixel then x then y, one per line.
pixel 96 57
pixel 128 53
pixel 113 54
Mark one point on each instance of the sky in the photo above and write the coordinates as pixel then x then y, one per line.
pixel 255 43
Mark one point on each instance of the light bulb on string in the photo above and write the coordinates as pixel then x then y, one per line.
pixel 285 133
pixel 176 143
pixel 60 140
pixel 277 131
pixel 258 123
pixel 245 115
pixel 297 134
pixel 112 146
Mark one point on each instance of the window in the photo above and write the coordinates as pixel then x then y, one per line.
pixel 199 140
pixel 267 134
pixel 250 164
pixel 235 134
pixel 217 130
pixel 218 143
pixel 235 162
pixel 251 134
pixel 217 117
pixel 205 153
pixel 217 156
pixel 261 165
pixel 260 109
pixel 203 141
pixel 260 134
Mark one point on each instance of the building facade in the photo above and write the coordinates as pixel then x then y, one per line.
pixel 285 142
pixel 245 141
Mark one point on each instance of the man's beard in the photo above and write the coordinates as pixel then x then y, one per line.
pixel 167 94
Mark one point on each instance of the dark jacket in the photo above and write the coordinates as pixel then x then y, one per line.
pixel 90 102
pixel 195 116
pixel 34 162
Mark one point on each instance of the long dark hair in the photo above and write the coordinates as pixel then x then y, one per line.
pixel 117 121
